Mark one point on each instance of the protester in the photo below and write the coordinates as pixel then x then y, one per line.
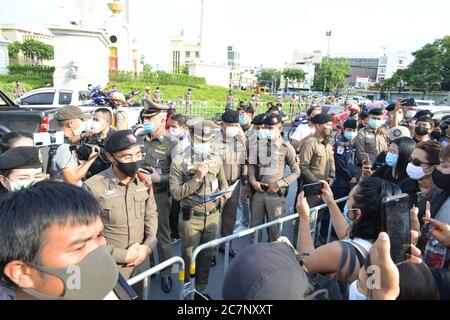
pixel 304 131
pixel 424 128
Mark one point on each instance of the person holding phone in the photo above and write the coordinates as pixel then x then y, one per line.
pixel 405 118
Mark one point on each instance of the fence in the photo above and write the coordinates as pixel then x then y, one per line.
pixel 147 274
pixel 189 290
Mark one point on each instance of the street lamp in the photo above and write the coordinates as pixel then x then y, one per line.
pixel 328 34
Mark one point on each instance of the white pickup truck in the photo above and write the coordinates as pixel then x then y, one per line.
pixel 53 98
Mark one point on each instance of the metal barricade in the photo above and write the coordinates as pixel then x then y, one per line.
pixel 190 287
pixel 147 274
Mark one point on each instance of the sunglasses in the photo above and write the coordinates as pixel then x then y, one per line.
pixel 418 163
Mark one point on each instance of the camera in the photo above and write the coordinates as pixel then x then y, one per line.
pixel 46 139
pixel 84 151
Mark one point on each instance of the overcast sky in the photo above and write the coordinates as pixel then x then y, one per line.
pixel 268 32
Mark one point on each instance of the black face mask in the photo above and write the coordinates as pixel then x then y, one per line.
pixel 129 169
pixel 441 180
pixel 436 135
pixel 421 131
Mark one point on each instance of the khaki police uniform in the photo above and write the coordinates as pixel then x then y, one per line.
pixel 267 165
pixel 159 155
pixel 370 141
pixel 198 223
pixel 129 214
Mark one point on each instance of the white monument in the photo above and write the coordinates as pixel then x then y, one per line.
pixel 212 64
pixel 4 58
pixel 81 48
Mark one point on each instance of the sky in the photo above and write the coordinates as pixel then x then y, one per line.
pixel 268 32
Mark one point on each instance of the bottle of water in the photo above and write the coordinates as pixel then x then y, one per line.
pixel 435 254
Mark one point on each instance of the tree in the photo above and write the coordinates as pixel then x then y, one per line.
pixel 294 74
pixel 268 75
pixel 37 51
pixel 335 72
pixel 14 49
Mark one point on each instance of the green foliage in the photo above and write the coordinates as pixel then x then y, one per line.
pixel 14 49
pixel 335 72
pixel 31 71
pixel 267 75
pixel 7 83
pixel 294 74
pixel 37 51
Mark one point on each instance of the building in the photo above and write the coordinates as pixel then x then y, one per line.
pixel 4 58
pixel 20 33
pixel 309 62
pixel 363 68
pixel 182 53
pixel 391 63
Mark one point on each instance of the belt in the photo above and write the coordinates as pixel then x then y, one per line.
pixel 205 214
pixel 161 190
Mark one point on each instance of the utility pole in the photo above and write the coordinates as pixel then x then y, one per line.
pixel 328 34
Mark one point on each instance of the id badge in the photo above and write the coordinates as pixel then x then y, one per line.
pixel 215 185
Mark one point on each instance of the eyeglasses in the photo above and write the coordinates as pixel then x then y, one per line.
pixel 130 158
pixel 417 162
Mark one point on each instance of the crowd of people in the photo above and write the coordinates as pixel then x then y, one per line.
pixel 114 202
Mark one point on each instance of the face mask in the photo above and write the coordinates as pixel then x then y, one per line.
pixel 436 135
pixel 77 132
pixel 350 135
pixel 349 221
pixel 421 131
pixel 400 117
pixel 176 132
pixel 149 127
pixel 232 132
pixel 202 148
pixel 411 114
pixel 441 180
pixel 270 134
pixel 414 172
pixel 21 184
pixel 97 272
pixel 97 127
pixel 375 124
pixel 242 121
pixel 261 134
pixel 391 160
pixel 129 169
pixel 327 132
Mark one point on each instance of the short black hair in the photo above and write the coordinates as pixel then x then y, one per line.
pixel 106 112
pixel 313 108
pixel 363 114
pixel 426 119
pixel 11 137
pixel 181 119
pixel 27 214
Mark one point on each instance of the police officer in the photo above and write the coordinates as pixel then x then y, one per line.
pixel 372 139
pixel 19 167
pixel 160 150
pixel 195 175
pixel 232 149
pixel 129 209
pixel 266 174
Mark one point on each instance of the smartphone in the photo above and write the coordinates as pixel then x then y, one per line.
pixel 408 102
pixel 397 224
pixel 313 189
pixel 421 204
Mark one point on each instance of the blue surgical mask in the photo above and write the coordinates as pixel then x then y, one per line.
pixel 411 114
pixel 21 184
pixel 350 135
pixel 149 127
pixel 242 121
pixel 232 132
pixel 349 221
pixel 261 134
pixel 375 124
pixel 391 159
pixel 271 134
pixel 202 148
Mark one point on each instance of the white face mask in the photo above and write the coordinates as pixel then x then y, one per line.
pixel 175 132
pixel 232 132
pixel 415 172
pixel 79 131
pixel 15 186
pixel 97 127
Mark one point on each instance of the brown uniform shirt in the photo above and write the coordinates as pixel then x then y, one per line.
pixel 185 188
pixel 367 141
pixel 129 212
pixel 233 155
pixel 316 159
pixel 271 163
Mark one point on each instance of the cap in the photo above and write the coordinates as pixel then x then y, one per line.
pixel 391 107
pixel 272 119
pixel 117 96
pixel 423 113
pixel 21 158
pixel 265 271
pixel 70 113
pixel 202 129
pixel 259 119
pixel 120 140
pixel 322 118
pixel 230 116
pixel 399 132
pixel 351 124
pixel 152 108
pixel 376 112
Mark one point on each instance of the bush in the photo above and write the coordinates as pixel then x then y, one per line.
pixel 159 78
pixel 31 71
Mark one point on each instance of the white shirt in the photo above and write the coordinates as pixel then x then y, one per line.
pixel 302 131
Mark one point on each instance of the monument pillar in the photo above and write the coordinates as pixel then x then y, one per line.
pixel 4 57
